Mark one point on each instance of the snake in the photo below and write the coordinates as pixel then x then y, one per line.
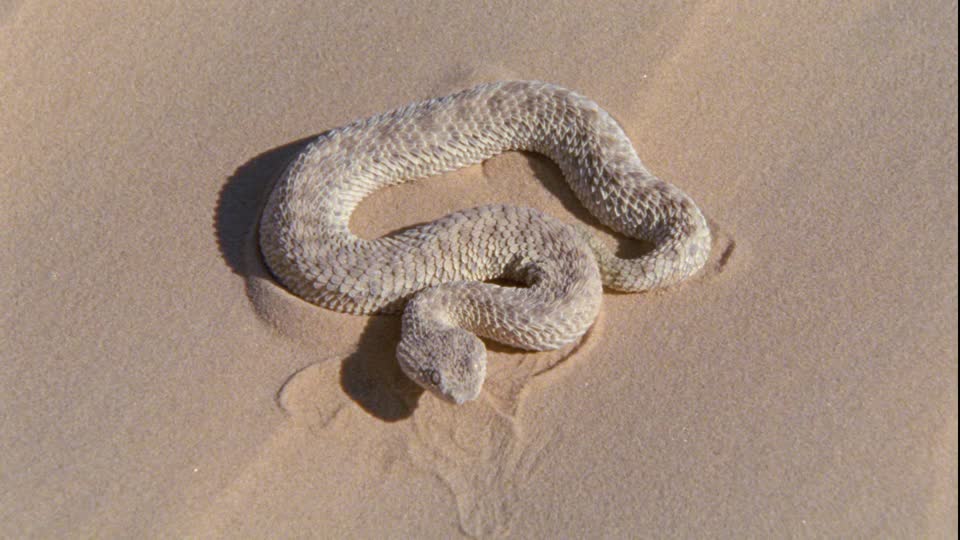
pixel 508 273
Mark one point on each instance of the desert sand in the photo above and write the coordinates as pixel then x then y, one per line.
pixel 156 382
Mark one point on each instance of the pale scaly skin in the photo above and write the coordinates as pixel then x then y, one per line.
pixel 437 270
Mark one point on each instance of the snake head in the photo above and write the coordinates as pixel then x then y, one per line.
pixel 450 363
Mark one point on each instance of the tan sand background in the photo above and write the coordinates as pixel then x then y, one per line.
pixel 154 382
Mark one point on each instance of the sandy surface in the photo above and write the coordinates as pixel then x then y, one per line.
pixel 156 383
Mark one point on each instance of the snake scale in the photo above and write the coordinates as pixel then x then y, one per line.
pixel 438 273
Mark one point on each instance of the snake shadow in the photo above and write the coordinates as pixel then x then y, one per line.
pixel 370 376
pixel 240 202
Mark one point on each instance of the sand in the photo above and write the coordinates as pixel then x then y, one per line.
pixel 157 383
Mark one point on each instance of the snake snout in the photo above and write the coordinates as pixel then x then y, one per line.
pixel 466 369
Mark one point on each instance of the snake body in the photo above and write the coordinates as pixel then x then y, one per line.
pixel 436 273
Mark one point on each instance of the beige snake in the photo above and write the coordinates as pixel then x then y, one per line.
pixel 436 272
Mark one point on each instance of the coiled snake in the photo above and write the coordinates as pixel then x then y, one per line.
pixel 436 273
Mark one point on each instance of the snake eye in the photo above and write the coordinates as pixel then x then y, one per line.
pixel 431 375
